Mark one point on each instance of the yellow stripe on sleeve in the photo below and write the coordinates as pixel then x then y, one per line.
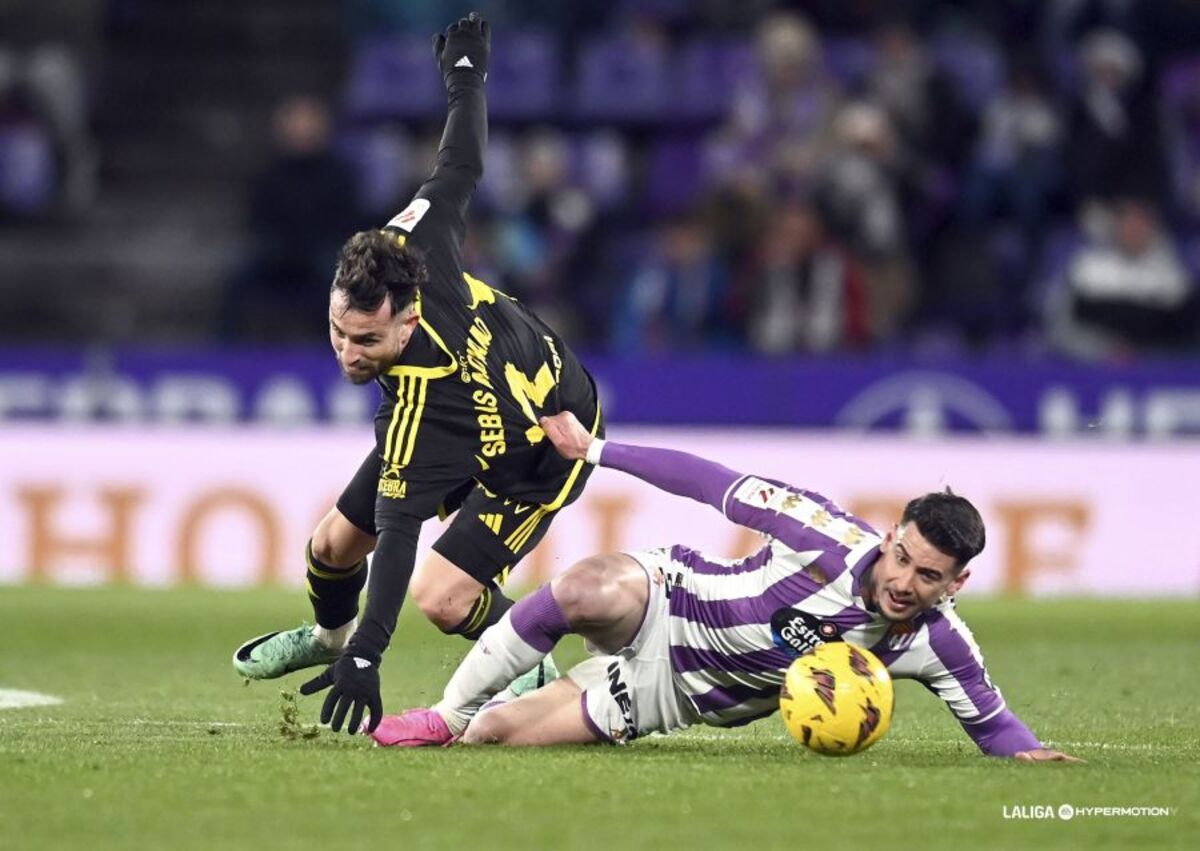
pixel 411 437
pixel 391 432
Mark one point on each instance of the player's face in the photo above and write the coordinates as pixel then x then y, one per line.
pixel 367 344
pixel 912 575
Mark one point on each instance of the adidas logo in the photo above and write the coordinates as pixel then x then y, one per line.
pixel 361 663
pixel 492 521
pixel 463 63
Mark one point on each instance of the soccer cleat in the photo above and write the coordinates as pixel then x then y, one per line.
pixel 533 679
pixel 416 728
pixel 278 653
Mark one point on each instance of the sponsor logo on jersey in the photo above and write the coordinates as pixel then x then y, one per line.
pixel 391 483
pixel 410 215
pixel 800 632
pixel 620 693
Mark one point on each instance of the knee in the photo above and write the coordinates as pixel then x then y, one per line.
pixel 338 544
pixel 324 550
pixel 583 592
pixel 443 605
pixel 490 727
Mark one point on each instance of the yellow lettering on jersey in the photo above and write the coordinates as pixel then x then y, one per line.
pixel 479 340
pixel 481 293
pixel 554 357
pixel 491 425
pixel 529 394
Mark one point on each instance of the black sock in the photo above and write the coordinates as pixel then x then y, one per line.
pixel 333 592
pixel 487 609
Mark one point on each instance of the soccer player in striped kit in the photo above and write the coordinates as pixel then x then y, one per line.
pixel 687 639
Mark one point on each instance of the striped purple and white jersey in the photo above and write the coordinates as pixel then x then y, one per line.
pixel 735 626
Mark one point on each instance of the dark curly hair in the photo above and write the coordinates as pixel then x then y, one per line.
pixel 373 265
pixel 949 522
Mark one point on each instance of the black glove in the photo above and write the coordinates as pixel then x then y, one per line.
pixel 355 682
pixel 465 46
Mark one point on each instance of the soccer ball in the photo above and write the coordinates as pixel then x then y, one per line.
pixel 837 700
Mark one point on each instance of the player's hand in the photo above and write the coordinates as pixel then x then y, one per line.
pixel 465 46
pixel 567 434
pixel 1045 755
pixel 353 684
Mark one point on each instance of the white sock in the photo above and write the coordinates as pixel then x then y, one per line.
pixel 498 657
pixel 335 639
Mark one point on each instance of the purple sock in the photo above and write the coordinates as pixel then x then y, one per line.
pixel 538 620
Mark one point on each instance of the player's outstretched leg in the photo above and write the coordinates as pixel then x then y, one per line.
pixel 460 604
pixel 551 716
pixel 601 598
pixel 333 592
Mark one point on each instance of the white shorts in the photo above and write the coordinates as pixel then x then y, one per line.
pixel 632 693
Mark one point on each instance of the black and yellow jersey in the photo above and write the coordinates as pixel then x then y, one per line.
pixel 463 404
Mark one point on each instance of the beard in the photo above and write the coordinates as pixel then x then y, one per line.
pixel 365 376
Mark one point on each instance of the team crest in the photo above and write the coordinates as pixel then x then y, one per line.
pixel 901 635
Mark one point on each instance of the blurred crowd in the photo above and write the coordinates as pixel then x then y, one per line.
pixel 48 161
pixel 779 178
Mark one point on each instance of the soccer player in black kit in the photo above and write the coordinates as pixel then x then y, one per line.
pixel 466 371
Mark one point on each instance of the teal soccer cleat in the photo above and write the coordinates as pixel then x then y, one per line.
pixel 533 679
pixel 278 653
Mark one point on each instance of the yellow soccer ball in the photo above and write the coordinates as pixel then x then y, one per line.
pixel 837 700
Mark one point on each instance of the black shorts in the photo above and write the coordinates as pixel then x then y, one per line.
pixel 489 535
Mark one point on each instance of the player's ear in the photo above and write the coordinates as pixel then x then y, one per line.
pixel 958 582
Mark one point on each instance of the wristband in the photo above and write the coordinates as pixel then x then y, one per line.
pixel 594 450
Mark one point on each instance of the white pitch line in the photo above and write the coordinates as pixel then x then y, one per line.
pixel 11 698
pixel 146 722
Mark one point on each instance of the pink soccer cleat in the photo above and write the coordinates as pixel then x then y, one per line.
pixel 416 728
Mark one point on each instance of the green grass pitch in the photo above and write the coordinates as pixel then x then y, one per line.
pixel 158 745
